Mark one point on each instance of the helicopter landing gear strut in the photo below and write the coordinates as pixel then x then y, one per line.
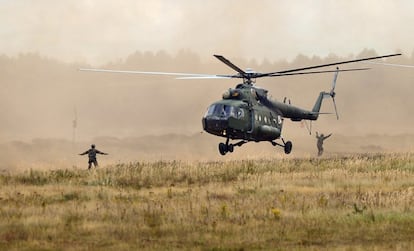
pixel 287 146
pixel 226 147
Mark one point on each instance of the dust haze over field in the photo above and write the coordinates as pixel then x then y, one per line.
pixel 139 117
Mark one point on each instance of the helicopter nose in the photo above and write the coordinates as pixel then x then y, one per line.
pixel 214 125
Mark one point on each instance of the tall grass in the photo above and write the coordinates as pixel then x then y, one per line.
pixel 355 202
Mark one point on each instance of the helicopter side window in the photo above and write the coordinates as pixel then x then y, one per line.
pixel 235 112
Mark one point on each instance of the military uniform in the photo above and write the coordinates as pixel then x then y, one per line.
pixel 92 156
pixel 319 143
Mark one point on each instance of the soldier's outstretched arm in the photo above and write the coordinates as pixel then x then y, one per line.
pixel 328 136
pixel 84 153
pixel 97 151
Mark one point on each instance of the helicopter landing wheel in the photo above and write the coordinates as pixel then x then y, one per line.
pixel 230 148
pixel 225 148
pixel 288 147
pixel 222 148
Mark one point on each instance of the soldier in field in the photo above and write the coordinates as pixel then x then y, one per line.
pixel 92 156
pixel 319 143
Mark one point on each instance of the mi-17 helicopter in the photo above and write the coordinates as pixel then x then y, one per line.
pixel 245 113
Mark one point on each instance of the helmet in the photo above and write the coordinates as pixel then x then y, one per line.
pixel 93 145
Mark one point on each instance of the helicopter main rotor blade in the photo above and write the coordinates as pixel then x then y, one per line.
pixel 324 65
pixel 242 74
pixel 396 65
pixel 150 72
pixel 230 64
pixel 207 77
pixel 315 72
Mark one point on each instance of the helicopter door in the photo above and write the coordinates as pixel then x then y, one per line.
pixel 252 119
pixel 239 119
pixel 248 120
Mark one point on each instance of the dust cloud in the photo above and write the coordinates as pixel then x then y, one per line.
pixel 137 117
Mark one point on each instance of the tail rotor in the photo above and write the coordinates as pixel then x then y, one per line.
pixel 332 92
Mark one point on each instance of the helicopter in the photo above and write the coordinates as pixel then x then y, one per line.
pixel 246 113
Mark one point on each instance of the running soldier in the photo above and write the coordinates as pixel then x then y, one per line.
pixel 92 156
pixel 319 143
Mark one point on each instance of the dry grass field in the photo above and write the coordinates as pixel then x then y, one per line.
pixel 363 202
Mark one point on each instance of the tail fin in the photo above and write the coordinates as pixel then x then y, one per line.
pixel 317 107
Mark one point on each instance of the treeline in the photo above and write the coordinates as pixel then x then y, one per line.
pixel 182 60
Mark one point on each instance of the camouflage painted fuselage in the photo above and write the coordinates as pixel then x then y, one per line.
pixel 246 113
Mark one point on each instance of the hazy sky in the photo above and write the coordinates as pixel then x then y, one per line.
pixel 98 31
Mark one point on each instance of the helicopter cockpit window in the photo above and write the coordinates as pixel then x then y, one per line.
pixel 225 111
pixel 240 113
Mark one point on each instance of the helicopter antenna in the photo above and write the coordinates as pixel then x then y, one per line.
pixel 308 127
